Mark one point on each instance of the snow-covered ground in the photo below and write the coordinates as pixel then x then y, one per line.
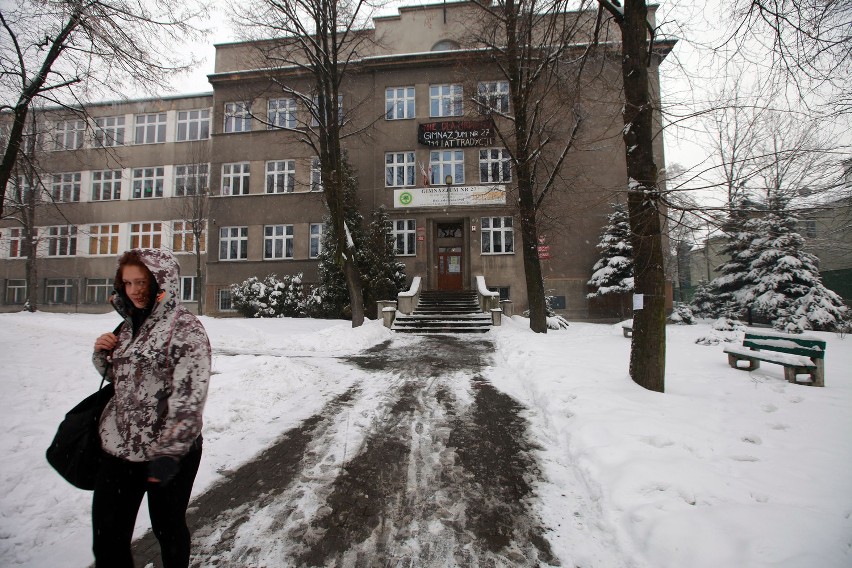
pixel 728 468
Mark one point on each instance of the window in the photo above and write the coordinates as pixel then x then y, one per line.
pixel 316 174
pixel 317 230
pixel 810 228
pixel 148 182
pixel 277 241
pixel 223 300
pixel 281 176
pixel 150 128
pixel 497 235
pixel 493 96
pixel 106 185
pixel 62 241
pixel 281 113
pixel 191 179
pixel 445 100
pixel 146 235
pixel 237 117
pixel 495 166
pixel 17 243
pixel 103 239
pixel 16 291
pixel 183 237
pixel 315 110
pixel 188 290
pixel 399 103
pixel 109 131
pixel 193 124
pixel 20 190
pixel 66 187
pixel 69 134
pixel 447 162
pixel 233 243
pixel 504 293
pixel 404 231
pixel 98 290
pixel 399 169
pixel 235 179
pixel 59 291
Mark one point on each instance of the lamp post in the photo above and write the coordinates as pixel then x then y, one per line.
pixel 448 179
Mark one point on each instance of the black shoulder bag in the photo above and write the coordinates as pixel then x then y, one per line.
pixel 76 449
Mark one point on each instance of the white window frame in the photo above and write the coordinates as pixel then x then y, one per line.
pixel 61 241
pixel 197 174
pixel 493 96
pixel 400 169
pixel 106 185
pixel 98 290
pixel 183 237
pixel 16 242
pixel 52 288
pixel 399 103
pixel 496 233
pixel 233 172
pixel 68 134
pixel 281 113
pixel 148 180
pixel 20 190
pixel 314 110
pixel 190 284
pixel 109 131
pixel 277 242
pixel 65 187
pixel 193 124
pixel 317 230
pixel 233 243
pixel 225 300
pixel 495 165
pixel 16 291
pixel 237 117
pixel 149 128
pixel 103 239
pixel 447 161
pixel 446 100
pixel 404 232
pixel 146 234
pixel 281 176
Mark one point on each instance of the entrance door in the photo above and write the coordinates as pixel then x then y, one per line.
pixel 450 268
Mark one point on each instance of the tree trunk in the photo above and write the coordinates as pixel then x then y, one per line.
pixel 532 264
pixel 648 348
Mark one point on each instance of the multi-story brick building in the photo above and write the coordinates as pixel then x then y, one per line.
pixel 416 137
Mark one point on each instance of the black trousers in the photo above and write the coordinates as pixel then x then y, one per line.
pixel 119 489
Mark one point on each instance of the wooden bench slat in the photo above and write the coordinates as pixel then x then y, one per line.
pixel 771 356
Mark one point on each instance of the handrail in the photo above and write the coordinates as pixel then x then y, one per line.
pixel 488 300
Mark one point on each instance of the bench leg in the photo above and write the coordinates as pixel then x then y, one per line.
pixel 818 374
pixel 626 332
pixel 732 361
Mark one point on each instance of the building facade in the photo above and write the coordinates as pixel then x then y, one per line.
pixel 420 132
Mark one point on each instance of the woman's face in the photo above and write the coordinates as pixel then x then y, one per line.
pixel 135 279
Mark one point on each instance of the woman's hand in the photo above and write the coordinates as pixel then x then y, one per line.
pixel 106 342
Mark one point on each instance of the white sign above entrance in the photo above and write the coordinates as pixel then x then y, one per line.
pixel 438 196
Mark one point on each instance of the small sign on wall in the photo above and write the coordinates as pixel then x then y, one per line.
pixel 638 301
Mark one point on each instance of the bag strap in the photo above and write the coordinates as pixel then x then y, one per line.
pixel 109 364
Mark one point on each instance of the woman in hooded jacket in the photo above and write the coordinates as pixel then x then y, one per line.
pixel 159 362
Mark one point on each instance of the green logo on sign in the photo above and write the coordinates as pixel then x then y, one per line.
pixel 405 198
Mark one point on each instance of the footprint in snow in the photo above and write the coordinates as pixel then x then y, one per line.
pixel 768 407
pixel 796 399
pixel 752 440
pixel 745 458
pixel 779 426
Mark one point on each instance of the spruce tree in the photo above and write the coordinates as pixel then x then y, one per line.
pixel 786 286
pixel 613 272
pixel 726 298
pixel 383 275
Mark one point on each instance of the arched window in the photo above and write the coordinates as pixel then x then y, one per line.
pixel 446 45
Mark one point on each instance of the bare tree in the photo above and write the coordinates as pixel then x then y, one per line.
pixel 809 42
pixel 644 199
pixel 192 195
pixel 319 39
pixel 532 43
pixel 61 51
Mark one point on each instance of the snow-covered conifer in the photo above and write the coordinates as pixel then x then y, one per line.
pixel 613 272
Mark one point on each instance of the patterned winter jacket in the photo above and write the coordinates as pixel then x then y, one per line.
pixel 160 376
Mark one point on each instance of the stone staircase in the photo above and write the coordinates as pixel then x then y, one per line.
pixel 444 312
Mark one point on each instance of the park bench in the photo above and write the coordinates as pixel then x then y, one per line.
pixel 798 354
pixel 627 328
